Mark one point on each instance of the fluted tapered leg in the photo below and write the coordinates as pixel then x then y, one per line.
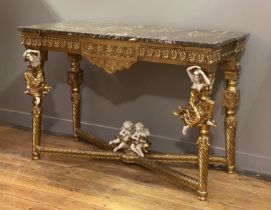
pixel 75 79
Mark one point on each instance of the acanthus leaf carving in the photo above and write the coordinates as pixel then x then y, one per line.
pixel 110 56
pixel 111 66
pixel 231 99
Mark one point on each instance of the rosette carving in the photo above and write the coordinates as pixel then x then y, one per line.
pixel 110 56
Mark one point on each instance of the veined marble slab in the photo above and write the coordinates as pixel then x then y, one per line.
pixel 152 34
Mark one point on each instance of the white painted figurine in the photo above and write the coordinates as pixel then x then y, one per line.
pixel 139 139
pixel 198 83
pixel 123 137
pixel 132 137
pixel 200 107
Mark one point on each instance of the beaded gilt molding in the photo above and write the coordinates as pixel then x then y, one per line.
pixel 113 56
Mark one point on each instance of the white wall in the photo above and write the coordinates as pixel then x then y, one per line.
pixel 149 91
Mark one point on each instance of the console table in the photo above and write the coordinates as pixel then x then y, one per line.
pixel 114 48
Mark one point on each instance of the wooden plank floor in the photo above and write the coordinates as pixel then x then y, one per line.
pixel 57 182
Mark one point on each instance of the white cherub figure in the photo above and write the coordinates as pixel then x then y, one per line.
pixel 139 139
pixel 145 144
pixel 123 137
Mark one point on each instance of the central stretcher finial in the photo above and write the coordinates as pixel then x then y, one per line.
pixel 132 137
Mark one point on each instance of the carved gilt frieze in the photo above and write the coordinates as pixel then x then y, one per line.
pixel 112 56
pixel 179 55
pixel 50 42
pixel 112 50
pixel 116 55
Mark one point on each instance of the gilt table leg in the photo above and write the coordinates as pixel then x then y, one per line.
pixel 36 126
pixel 37 88
pixel 75 79
pixel 204 138
pixel 230 102
pixel 198 113
pixel 203 145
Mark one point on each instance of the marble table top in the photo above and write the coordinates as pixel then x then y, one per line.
pixel 152 34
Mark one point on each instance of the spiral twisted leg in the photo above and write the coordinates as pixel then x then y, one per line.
pixel 75 79
pixel 75 112
pixel 36 127
pixel 230 129
pixel 231 102
pixel 37 88
pixel 203 146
